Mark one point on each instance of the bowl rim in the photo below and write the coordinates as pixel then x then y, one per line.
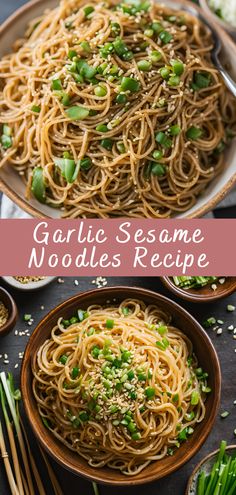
pixel 194 297
pixel 10 323
pixel 30 286
pixel 33 211
pixel 117 291
pixel 200 464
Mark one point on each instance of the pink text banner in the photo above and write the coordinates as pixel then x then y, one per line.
pixel 117 247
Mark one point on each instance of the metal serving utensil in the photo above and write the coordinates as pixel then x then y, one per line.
pixel 229 82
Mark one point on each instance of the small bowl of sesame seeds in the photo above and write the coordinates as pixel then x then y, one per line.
pixel 8 312
pixel 200 291
pixel 28 283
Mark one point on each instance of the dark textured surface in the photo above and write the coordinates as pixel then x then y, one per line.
pixel 225 345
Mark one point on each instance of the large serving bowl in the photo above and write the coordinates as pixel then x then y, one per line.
pixel 11 183
pixel 203 349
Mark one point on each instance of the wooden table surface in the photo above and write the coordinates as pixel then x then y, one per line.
pixel 55 293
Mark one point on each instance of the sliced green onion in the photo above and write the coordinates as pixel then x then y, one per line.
pixel 36 108
pixel 72 54
pixel 144 65
pixel 6 141
pixel 77 113
pixel 88 10
pixel 175 398
pixel 189 416
pixel 122 50
pixel 27 317
pixel 75 373
pixel 102 128
pixel 130 374
pixel 175 130
pixel 142 377
pixel 67 167
pixel 174 81
pixel 158 169
pixel 162 330
pixel 63 359
pixel 178 67
pixel 107 143
pixel 121 147
pixel 165 72
pixel 195 398
pixel 194 133
pixel 109 323
pixel 38 186
pixel 162 138
pixel 73 320
pixel 85 163
pixel 84 416
pixel 157 154
pixel 225 414
pixel 155 56
pixel 121 99
pixel 65 99
pixel 150 392
pixel 115 27
pixel 85 46
pixel 157 27
pixel 100 91
pixel 165 37
pixel 129 84
pixel 149 33
pixel 95 351
pixel 87 70
pixel 56 84
pixel 136 436
pixel 201 80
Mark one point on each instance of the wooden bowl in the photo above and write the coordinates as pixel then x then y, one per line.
pixel 11 183
pixel 10 304
pixel 207 465
pixel 231 30
pixel 203 348
pixel 204 294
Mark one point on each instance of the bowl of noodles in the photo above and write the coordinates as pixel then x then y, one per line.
pixel 114 110
pixel 120 385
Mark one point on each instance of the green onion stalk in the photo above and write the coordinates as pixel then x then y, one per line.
pixel 25 469
pixel 11 397
pixel 21 479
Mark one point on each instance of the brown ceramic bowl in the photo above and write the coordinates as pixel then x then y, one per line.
pixel 203 349
pixel 10 304
pixel 203 294
pixel 11 183
pixel 206 464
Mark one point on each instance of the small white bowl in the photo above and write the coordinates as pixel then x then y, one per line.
pixel 231 30
pixel 30 285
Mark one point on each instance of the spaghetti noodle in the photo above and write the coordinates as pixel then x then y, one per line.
pixel 119 385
